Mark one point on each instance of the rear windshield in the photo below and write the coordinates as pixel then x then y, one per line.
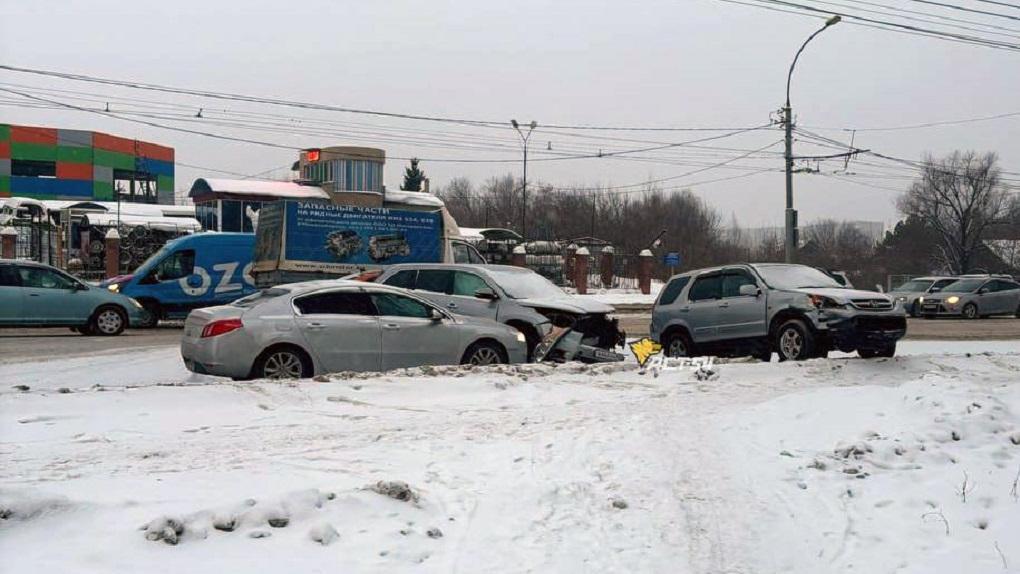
pixel 260 297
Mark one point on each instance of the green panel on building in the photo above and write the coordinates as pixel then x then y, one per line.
pixel 5 184
pixel 74 154
pixel 102 190
pixel 5 132
pixel 113 159
pixel 164 183
pixel 33 151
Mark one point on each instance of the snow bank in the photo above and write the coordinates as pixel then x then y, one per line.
pixel 526 468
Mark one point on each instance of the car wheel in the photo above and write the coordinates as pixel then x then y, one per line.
pixel 108 322
pixel 484 353
pixel 970 311
pixel 794 341
pixel 149 316
pixel 677 344
pixel 283 363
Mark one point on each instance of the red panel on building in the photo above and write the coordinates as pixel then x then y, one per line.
pixel 67 170
pixel 113 143
pixel 154 151
pixel 26 134
pixel 5 150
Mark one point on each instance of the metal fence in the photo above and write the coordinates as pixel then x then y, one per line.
pixel 36 242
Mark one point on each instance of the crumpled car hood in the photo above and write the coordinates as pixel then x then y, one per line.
pixel 569 303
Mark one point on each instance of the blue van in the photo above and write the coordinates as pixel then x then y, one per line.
pixel 193 271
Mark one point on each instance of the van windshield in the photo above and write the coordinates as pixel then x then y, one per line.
pixel 153 259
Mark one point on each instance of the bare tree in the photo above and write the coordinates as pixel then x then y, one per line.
pixel 959 197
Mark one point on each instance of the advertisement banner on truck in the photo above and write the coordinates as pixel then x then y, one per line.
pixel 343 238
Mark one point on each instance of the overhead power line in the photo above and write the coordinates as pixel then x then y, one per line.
pixel 922 125
pixel 965 9
pixel 501 124
pixel 850 18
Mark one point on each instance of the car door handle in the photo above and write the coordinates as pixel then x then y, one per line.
pixel 391 326
pixel 724 304
pixel 33 294
pixel 684 309
pixel 316 326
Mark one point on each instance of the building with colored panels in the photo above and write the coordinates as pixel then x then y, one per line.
pixel 52 163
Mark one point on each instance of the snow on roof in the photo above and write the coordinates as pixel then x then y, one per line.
pixel 143 209
pixel 491 233
pixel 412 198
pixel 256 187
pixel 154 222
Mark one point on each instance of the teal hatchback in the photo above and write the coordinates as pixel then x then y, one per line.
pixel 37 295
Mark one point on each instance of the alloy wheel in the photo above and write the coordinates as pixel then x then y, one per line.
pixel 283 365
pixel 485 356
pixel 109 322
pixel 791 343
pixel 677 348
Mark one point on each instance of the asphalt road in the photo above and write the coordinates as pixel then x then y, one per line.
pixel 21 344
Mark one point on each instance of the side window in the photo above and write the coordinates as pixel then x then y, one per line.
pixel 706 287
pixel 435 280
pixel 1007 286
pixel 672 291
pixel 9 277
pixel 461 254
pixel 732 281
pixel 467 283
pixel 336 303
pixel 41 278
pixel 176 265
pixel 404 279
pixel 393 305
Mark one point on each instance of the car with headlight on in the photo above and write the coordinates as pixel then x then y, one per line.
pixel 303 329
pixel 584 329
pixel 972 297
pixel 38 295
pixel 910 293
pixel 756 309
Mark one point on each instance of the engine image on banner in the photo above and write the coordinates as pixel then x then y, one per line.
pixel 336 238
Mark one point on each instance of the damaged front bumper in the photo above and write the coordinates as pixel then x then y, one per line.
pixel 562 344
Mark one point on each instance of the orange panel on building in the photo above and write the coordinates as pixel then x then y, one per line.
pixel 113 143
pixel 154 151
pixel 25 134
pixel 5 150
pixel 66 170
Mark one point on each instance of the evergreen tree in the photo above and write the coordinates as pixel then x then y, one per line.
pixel 413 177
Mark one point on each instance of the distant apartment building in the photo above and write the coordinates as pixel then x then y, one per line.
pixel 53 163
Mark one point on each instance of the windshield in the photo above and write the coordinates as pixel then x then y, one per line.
pixel 911 286
pixel 795 277
pixel 519 285
pixel 963 286
pixel 153 259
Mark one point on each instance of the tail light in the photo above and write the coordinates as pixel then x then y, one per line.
pixel 220 327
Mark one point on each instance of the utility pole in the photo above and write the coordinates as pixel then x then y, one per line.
pixel 524 183
pixel 791 213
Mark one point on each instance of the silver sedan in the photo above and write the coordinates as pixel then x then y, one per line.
pixel 303 329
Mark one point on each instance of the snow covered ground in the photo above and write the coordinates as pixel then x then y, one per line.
pixel 838 465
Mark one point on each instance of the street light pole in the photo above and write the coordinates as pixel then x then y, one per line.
pixel 524 183
pixel 791 213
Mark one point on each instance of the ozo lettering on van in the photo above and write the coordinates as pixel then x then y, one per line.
pixel 226 284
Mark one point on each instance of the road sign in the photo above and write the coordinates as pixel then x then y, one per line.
pixel 671 259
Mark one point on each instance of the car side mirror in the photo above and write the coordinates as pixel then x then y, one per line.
pixel 436 315
pixel 750 290
pixel 81 287
pixel 486 293
pixel 982 290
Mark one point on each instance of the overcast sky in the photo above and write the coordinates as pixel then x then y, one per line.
pixel 683 63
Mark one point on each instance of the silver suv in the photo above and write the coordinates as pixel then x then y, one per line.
pixel 757 309
pixel 519 298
